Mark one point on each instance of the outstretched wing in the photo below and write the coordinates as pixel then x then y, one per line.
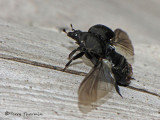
pixel 123 44
pixel 96 85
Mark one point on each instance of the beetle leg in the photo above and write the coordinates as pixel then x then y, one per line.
pixel 117 89
pixel 74 58
pixel 73 52
pixel 133 78
pixel 94 60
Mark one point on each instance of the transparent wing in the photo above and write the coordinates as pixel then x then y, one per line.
pixel 123 44
pixel 96 85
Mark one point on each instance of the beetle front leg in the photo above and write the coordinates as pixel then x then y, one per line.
pixel 73 52
pixel 74 58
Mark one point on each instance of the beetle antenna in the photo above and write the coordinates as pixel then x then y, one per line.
pixel 72 27
pixel 64 30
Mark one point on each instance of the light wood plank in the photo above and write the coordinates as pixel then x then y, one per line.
pixel 29 88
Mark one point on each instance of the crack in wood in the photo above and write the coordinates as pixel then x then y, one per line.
pixel 34 63
pixel 143 90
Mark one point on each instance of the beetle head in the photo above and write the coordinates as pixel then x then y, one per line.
pixel 75 34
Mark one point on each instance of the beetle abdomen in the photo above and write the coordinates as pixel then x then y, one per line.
pixel 121 69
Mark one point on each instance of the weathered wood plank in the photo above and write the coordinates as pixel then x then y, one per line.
pixel 26 88
pixel 34 89
pixel 32 59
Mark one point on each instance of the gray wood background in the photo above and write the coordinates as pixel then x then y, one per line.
pixel 33 53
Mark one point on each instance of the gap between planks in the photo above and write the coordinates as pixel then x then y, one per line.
pixel 39 64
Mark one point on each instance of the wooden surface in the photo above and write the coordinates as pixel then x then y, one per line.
pixel 32 81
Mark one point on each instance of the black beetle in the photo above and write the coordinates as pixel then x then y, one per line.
pixel 110 67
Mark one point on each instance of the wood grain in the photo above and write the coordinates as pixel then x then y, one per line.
pixel 32 83
pixel 30 87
